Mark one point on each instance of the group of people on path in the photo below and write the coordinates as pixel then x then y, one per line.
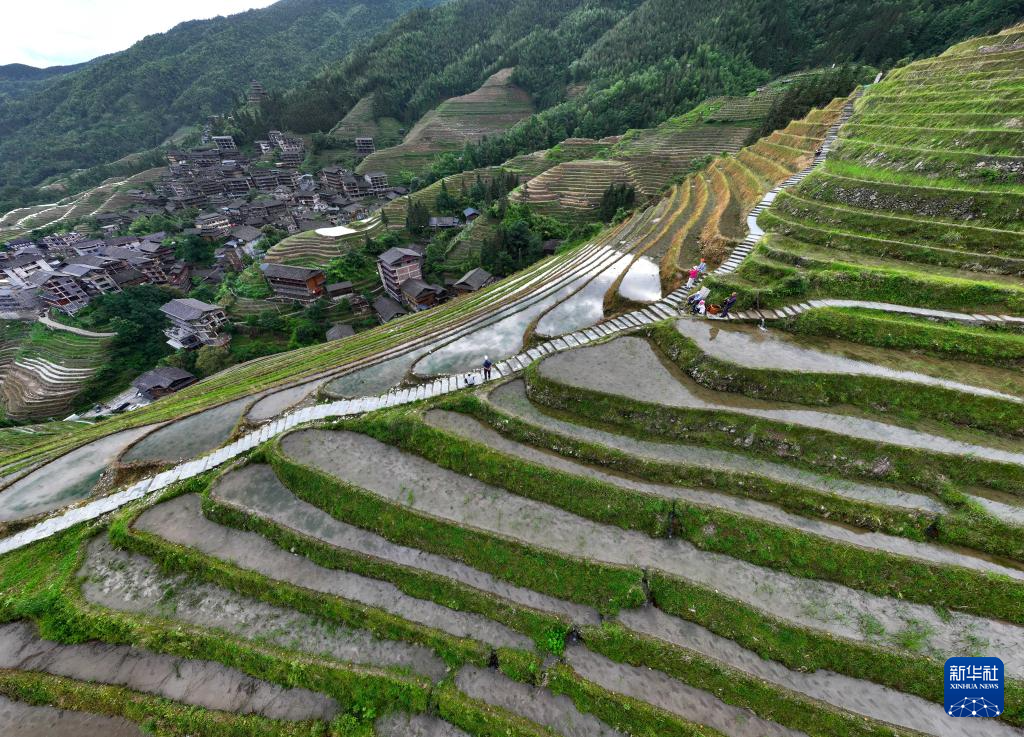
pixel 697 301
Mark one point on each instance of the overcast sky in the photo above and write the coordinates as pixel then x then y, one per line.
pixel 48 32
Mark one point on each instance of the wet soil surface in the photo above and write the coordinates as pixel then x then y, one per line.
pixel 673 696
pixel 771 350
pixel 399 724
pixel 22 720
pixel 181 521
pixel 256 489
pixel 427 488
pixel 195 682
pixel 127 582
pixel 189 437
pixel 473 430
pixel 511 399
pixel 630 367
pixel 66 480
pixel 274 404
pixel 538 705
pixel 855 695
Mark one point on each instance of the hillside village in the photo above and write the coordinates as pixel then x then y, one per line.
pixel 574 376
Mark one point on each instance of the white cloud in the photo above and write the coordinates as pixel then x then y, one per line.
pixel 48 32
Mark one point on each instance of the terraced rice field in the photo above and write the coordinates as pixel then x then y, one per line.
pixel 701 527
pixel 313 248
pixel 47 370
pixel 921 197
pixel 103 197
pixel 496 106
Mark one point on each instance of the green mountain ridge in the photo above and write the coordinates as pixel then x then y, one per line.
pixel 136 98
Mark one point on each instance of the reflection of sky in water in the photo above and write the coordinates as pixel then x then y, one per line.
pixel 771 351
pixel 191 436
pixel 642 283
pixel 585 308
pixel 66 479
pixel 376 379
pixel 503 338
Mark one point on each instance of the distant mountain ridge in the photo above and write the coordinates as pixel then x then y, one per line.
pixel 134 99
pixel 29 73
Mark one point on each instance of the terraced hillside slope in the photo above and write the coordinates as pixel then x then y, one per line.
pixel 494 107
pixel 47 370
pixel 921 201
pixel 104 197
pixel 318 247
pixel 647 159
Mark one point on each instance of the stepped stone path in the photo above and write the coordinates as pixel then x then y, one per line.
pixel 755 233
pixel 196 682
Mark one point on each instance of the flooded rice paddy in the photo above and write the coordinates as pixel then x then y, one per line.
pixel 181 521
pixel 66 480
pixel 630 367
pixel 422 486
pixel 642 282
pixel 752 348
pixel 190 437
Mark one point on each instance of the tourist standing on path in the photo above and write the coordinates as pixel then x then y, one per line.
pixel 694 273
pixel 727 304
pixel 487 368
pixel 702 267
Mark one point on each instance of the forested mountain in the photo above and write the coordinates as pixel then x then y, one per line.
pixel 597 67
pixel 136 98
pixel 19 79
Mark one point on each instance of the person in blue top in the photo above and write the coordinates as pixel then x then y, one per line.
pixel 487 368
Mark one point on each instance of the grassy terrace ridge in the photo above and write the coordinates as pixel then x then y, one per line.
pixel 720 614
pixel 921 201
pixel 946 340
pixel 295 366
pixel 760 543
pixel 804 447
pixel 39 584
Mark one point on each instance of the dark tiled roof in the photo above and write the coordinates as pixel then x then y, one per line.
pixel 162 377
pixel 187 309
pixel 387 308
pixel 394 255
pixel 280 271
pixel 475 279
